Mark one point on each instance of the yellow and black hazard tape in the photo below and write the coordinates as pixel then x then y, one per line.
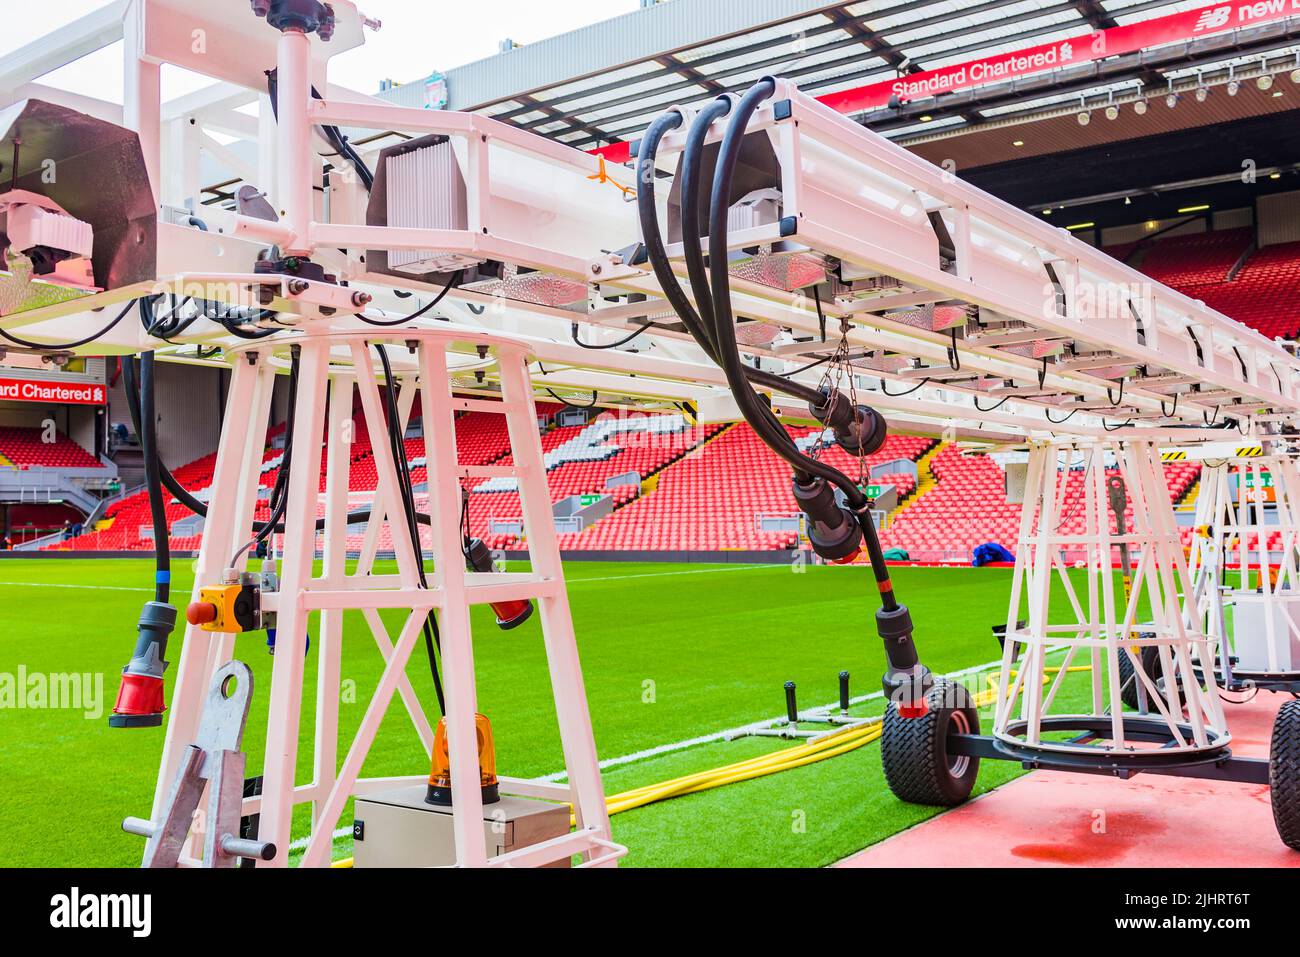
pixel 1177 456
pixel 1250 452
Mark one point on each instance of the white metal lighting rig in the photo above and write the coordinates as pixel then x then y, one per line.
pixel 798 267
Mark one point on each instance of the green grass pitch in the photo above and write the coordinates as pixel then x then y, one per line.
pixel 670 652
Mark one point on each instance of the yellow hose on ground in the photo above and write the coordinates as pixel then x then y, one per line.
pixel 830 746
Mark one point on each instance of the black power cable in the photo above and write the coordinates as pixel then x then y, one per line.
pixel 452 283
pixel 906 680
pixel 595 396
pixel 183 495
pixel 657 255
pixel 62 346
pixel 573 332
pixel 279 499
pixel 812 365
pixel 333 135
pixel 406 491
pixel 157 507
pixel 724 329
pixel 896 395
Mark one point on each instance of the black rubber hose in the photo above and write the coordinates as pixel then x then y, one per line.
pixel 183 495
pixel 720 286
pixel 657 254
pixel 333 135
pixel 698 275
pixel 157 507
pixel 692 229
pixel 280 493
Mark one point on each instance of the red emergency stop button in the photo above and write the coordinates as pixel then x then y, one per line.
pixel 201 612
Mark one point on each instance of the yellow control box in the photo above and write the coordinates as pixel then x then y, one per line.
pixel 228 609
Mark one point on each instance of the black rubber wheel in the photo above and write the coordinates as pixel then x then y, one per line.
pixel 914 751
pixel 1128 681
pixel 1284 774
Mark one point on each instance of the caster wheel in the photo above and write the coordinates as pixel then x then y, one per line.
pixel 1128 680
pixel 914 751
pixel 1284 774
pixel 1150 657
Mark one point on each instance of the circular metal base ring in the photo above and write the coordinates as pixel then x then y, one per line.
pixel 1082 754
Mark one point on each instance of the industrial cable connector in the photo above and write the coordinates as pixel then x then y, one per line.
pixel 307 16
pixel 859 430
pixel 140 702
pixel 510 614
pixel 906 681
pixel 833 530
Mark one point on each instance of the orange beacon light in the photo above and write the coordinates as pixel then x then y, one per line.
pixel 440 775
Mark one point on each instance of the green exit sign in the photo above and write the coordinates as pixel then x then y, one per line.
pixel 874 491
pixel 586 500
pixel 1265 480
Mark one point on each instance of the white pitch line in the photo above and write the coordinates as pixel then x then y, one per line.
pixel 65 585
pixel 302 842
pixel 694 571
pixel 570 581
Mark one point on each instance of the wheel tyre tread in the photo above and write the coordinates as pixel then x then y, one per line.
pixel 1284 774
pixel 1128 680
pixel 914 757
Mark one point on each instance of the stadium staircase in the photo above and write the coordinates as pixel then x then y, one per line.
pixel 925 482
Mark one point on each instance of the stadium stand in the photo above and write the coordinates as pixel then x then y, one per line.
pixel 968 507
pixel 1185 261
pixel 25 448
pixel 1263 294
pixel 712 500
pixel 696 489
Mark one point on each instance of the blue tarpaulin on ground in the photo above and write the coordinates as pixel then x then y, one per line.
pixel 991 552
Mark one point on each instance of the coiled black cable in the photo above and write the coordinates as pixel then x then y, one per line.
pixel 657 254
pixel 713 326
pixel 724 328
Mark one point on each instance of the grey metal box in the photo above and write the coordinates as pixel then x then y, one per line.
pixel 397 829
pixel 1250 631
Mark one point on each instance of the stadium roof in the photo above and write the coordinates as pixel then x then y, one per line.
pixel 604 83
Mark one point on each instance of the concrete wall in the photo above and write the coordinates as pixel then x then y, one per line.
pixel 1279 218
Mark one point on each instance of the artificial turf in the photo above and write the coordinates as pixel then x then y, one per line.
pixel 669 652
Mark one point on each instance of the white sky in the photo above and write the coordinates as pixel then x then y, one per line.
pixel 418 37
